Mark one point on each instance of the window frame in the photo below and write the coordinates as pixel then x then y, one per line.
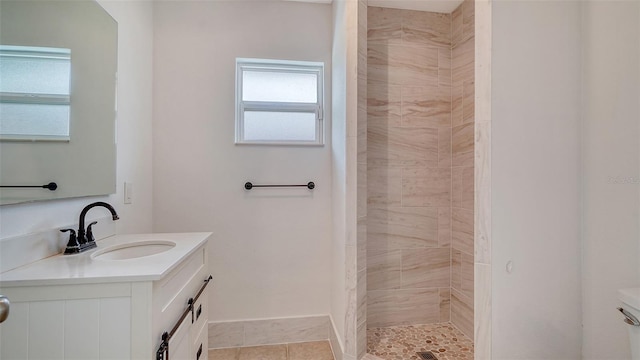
pixel 281 66
pixel 25 98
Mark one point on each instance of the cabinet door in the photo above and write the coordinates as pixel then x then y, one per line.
pixel 52 329
pixel 179 346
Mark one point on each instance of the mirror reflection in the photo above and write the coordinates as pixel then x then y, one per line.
pixel 58 63
pixel 34 93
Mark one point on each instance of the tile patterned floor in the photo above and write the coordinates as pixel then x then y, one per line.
pixel 318 350
pixel 402 342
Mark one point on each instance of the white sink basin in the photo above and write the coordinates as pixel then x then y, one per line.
pixel 133 250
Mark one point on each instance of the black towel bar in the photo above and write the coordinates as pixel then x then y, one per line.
pixel 310 185
pixel 51 186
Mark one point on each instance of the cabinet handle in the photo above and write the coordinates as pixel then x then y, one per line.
pixel 193 300
pixel 199 352
pixel 4 308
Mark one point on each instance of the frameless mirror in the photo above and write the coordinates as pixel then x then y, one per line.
pixel 58 63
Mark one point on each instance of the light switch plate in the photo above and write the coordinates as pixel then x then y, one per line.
pixel 128 193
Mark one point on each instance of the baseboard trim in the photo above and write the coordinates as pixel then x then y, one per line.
pixel 269 331
pixel 334 340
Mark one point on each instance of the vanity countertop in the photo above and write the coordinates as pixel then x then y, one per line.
pixel 82 269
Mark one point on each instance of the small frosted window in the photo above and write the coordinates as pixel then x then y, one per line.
pixel 279 126
pixel 279 102
pixel 279 86
pixel 34 93
pixel 38 120
pixel 37 75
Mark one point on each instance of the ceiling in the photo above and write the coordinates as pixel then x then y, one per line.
pixel 441 6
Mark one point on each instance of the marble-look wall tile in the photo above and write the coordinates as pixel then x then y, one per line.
pixel 445 304
pixel 456 186
pixel 456 26
pixel 268 331
pixel 462 142
pixel 468 103
pixel 279 331
pixel 384 269
pixel 462 138
pixel 468 19
pixel 424 28
pixel 482 193
pixel 226 334
pixel 384 104
pixel 361 346
pixel 463 156
pixel 482 311
pixel 411 88
pixel 462 230
pixel 426 187
pixel 467 197
pixel 444 66
pixel 402 146
pixel 384 25
pixel 402 227
pixel 462 64
pixel 402 65
pixel 384 185
pixel 456 103
pixel 462 268
pixel 466 275
pixel 444 148
pixel 424 106
pixel 362 242
pixel 462 312
pixel 425 268
pixel 403 307
pixel 361 312
pixel 351 311
pixel 456 269
pixel 462 187
pixel 361 196
pixel 444 226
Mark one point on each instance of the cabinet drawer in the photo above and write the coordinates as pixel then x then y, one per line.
pixel 200 312
pixel 200 342
pixel 171 295
pixel 179 279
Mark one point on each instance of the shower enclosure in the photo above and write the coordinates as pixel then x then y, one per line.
pixel 420 182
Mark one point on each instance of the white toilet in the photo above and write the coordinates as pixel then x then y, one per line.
pixel 630 309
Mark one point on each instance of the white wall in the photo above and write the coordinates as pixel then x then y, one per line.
pixel 133 138
pixel 611 171
pixel 535 180
pixel 270 254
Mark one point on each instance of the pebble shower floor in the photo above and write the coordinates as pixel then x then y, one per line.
pixel 403 342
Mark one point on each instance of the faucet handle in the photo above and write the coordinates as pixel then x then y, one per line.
pixel 73 232
pixel 72 246
pixel 90 232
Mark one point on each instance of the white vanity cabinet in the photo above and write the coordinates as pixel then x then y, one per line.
pixel 188 334
pixel 108 319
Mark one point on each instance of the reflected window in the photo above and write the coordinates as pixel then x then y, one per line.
pixel 34 93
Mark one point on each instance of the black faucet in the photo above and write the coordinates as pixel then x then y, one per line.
pixel 85 240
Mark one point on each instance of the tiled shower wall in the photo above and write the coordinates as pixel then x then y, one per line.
pixel 419 151
pixel 409 167
pixel 462 171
